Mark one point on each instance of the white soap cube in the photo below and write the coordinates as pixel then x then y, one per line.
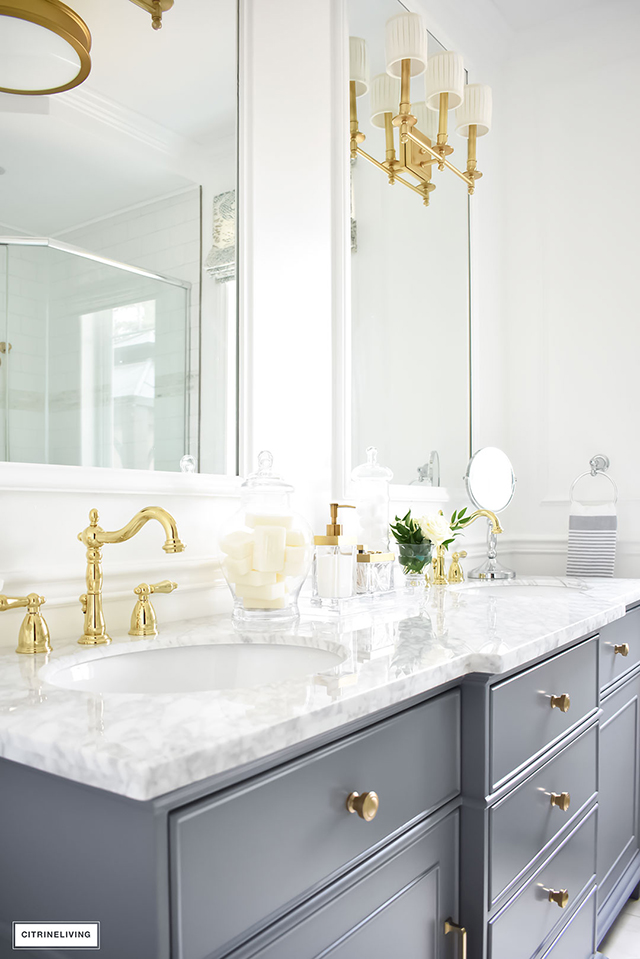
pixel 269 547
pixel 295 560
pixel 235 569
pixel 237 544
pixel 254 578
pixel 268 519
pixel 295 537
pixel 278 603
pixel 272 591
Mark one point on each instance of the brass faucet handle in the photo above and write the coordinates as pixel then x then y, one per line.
pixel 143 619
pixel 164 586
pixel 34 633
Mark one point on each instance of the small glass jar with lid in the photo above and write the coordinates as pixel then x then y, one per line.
pixel 267 550
pixel 370 490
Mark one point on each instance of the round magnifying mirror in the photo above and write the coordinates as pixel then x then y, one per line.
pixel 490 483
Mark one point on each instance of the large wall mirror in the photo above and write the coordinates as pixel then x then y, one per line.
pixel 118 326
pixel 410 318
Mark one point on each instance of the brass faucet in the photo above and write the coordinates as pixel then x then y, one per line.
pixel 438 561
pixel 94 538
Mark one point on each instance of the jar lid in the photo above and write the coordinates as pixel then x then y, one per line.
pixel 372 469
pixel 264 478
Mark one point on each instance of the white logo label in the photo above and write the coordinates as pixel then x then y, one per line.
pixel 52 935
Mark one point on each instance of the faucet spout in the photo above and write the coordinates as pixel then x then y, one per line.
pixel 495 525
pixel 94 538
pixel 166 520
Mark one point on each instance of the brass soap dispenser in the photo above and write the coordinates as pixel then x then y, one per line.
pixel 334 563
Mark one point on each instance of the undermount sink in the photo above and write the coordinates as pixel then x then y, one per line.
pixel 186 669
pixel 530 591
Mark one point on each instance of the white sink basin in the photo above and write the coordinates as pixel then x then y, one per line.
pixel 186 669
pixel 532 591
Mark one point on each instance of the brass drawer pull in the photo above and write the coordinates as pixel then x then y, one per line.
pixel 623 649
pixel 451 926
pixel 559 896
pixel 561 800
pixel 366 805
pixel 562 702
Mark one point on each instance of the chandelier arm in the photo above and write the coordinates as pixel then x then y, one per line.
pixel 386 170
pixel 463 176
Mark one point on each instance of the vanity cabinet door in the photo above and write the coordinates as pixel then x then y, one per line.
pixel 281 836
pixel 396 907
pixel 618 785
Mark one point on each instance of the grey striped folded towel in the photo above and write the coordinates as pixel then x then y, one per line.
pixel 593 532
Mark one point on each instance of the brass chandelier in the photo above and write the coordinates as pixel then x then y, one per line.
pixel 423 126
pixel 45 46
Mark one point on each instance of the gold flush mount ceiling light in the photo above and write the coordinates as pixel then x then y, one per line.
pixel 44 47
pixel 422 126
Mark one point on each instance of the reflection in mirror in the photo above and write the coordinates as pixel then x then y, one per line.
pixel 410 298
pixel 117 249
pixel 490 483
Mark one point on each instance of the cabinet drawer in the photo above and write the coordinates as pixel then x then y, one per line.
pixel 404 901
pixel 280 835
pixel 523 824
pixel 523 723
pixel 577 940
pixel 522 926
pixel 623 633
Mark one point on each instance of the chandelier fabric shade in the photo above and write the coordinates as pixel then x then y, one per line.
pixel 475 109
pixel 44 47
pixel 359 65
pixel 385 96
pixel 405 39
pixel 445 74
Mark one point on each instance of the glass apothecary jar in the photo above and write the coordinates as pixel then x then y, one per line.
pixel 370 489
pixel 267 550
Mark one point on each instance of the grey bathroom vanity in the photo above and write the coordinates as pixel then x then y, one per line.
pixel 507 822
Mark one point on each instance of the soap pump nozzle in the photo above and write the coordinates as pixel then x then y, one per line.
pixel 334 528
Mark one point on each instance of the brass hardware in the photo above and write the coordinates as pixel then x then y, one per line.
pixel 439 567
pixel 334 528
pixel 373 556
pixel 34 632
pixel 63 22
pixel 561 800
pixel 156 8
pixel 451 926
pixel 143 618
pixel 561 702
pixel 623 649
pixel 366 805
pixel 456 573
pixel 559 896
pixel 5 347
pixel 94 538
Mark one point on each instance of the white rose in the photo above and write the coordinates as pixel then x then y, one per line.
pixel 435 527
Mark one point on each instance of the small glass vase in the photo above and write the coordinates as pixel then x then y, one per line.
pixel 415 561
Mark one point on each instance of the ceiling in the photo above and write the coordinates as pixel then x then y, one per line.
pixel 157 110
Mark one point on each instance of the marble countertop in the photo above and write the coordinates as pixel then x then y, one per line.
pixel 144 745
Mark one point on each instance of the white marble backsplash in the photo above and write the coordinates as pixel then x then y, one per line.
pixel 144 745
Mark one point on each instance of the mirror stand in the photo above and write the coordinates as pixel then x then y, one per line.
pixel 491 568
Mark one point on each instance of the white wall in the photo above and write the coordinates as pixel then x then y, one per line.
pixel 570 273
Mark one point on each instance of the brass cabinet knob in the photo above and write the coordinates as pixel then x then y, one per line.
pixel 366 805
pixel 559 896
pixel 623 649
pixel 451 926
pixel 561 702
pixel 561 800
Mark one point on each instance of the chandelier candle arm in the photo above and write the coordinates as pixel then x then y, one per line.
pixel 356 135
